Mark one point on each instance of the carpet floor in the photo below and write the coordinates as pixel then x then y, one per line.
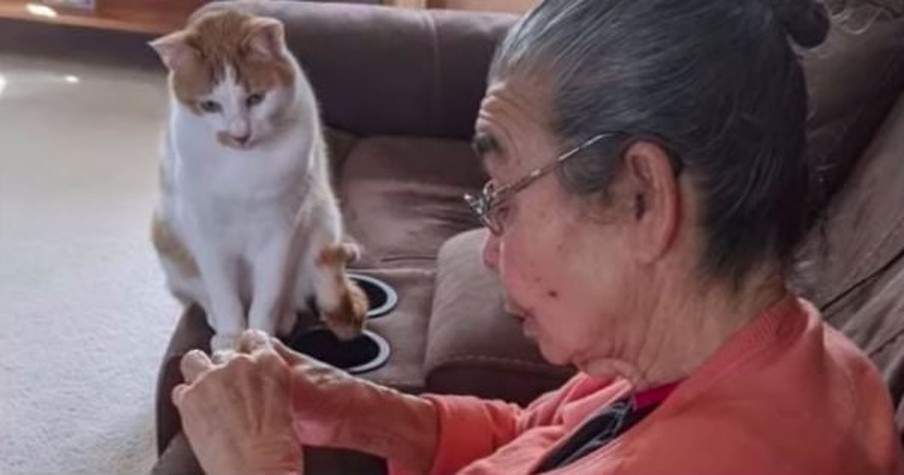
pixel 84 315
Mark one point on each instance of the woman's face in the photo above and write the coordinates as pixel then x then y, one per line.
pixel 569 277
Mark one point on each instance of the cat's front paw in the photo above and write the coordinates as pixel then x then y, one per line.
pixel 348 319
pixel 224 343
pixel 352 252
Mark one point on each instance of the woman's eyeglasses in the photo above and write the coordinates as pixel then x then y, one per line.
pixel 487 204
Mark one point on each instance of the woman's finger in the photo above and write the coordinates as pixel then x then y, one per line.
pixel 194 364
pixel 254 340
pixel 178 394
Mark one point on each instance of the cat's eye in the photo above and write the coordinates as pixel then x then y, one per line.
pixel 254 99
pixel 210 107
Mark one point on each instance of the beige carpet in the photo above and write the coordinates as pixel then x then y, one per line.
pixel 84 318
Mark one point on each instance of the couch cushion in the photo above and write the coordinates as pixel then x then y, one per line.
pixel 402 197
pixel 853 79
pixel 405 328
pixel 473 346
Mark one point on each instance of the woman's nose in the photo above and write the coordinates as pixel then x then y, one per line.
pixel 491 251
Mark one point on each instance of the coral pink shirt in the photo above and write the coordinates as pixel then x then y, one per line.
pixel 786 395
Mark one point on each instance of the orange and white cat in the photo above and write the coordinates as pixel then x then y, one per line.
pixel 248 226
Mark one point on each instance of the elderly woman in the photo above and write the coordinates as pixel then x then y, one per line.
pixel 648 188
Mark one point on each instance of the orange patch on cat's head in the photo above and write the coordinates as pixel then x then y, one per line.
pixel 198 56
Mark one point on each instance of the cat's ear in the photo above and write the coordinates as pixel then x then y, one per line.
pixel 267 38
pixel 174 50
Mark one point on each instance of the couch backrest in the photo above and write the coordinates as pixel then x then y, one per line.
pixel 854 79
pixel 391 71
pixel 852 265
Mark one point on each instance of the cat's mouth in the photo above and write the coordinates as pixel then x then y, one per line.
pixel 236 143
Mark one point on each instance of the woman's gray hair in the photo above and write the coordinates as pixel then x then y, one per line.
pixel 716 83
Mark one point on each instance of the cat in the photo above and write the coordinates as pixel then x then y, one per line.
pixel 247 223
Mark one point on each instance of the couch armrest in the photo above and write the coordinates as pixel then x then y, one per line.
pixel 191 332
pixel 393 71
pixel 473 346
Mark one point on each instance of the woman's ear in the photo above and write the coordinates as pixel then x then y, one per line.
pixel 654 194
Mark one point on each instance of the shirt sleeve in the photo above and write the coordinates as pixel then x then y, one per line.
pixel 471 428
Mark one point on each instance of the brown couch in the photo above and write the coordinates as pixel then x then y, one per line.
pixel 400 90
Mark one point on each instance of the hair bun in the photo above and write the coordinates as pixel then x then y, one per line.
pixel 805 21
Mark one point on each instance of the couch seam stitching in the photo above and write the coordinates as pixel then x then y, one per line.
pixel 889 342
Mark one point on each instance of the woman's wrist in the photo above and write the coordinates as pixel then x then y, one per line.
pixel 333 409
pixel 395 426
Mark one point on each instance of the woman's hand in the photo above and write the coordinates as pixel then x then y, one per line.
pixel 334 409
pixel 237 416
pixel 324 399
pixel 251 414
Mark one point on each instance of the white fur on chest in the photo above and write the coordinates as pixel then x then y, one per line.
pixel 231 198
